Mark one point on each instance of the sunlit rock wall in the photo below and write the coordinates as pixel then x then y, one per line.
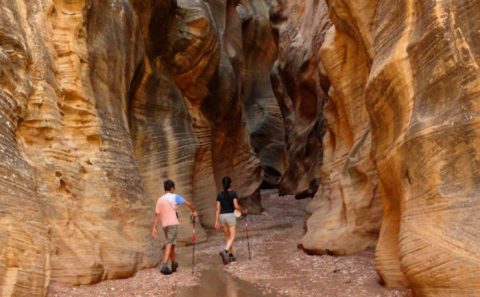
pixel 347 204
pixel 206 66
pixel 73 198
pixel 24 251
pixel 422 97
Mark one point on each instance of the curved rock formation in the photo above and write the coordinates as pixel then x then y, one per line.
pixel 264 118
pixel 400 115
pixel 422 94
pixel 66 100
pixel 300 90
pixel 317 102
pixel 207 68
pixel 232 153
pixel 347 205
pixel 161 130
pixel 24 260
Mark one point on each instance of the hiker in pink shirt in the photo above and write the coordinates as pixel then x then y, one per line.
pixel 166 213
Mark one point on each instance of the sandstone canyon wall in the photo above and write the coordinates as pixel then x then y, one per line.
pixel 300 90
pixel 400 125
pixel 74 202
pixel 264 117
pixel 328 129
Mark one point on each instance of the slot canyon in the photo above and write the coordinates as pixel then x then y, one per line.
pixel 350 122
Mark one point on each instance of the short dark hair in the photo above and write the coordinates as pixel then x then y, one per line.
pixel 168 185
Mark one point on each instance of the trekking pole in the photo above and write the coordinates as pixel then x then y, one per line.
pixel 194 238
pixel 248 240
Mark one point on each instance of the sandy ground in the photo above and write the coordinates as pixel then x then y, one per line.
pixel 149 282
pixel 277 265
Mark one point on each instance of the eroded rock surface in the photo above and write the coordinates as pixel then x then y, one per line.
pixel 347 204
pixel 84 215
pixel 102 101
pixel 300 89
pixel 264 117
pixel 422 97
pixel 161 127
pixel 400 124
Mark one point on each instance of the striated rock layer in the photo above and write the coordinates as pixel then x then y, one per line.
pixel 329 134
pixel 347 204
pixel 422 100
pixel 400 125
pixel 161 128
pixel 300 90
pixel 206 67
pixel 264 117
pixel 84 215
pixel 232 153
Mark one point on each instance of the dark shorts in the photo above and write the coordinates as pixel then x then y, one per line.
pixel 171 234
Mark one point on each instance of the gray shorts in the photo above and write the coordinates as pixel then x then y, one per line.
pixel 228 219
pixel 171 234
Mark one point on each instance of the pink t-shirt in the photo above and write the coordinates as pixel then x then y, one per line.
pixel 166 208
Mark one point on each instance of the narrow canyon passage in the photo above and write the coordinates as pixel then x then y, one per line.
pixel 278 267
pixel 367 111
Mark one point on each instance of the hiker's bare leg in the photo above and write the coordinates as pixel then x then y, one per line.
pixel 231 230
pixel 226 232
pixel 168 250
pixel 172 254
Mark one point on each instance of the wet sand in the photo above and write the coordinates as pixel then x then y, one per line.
pixel 277 267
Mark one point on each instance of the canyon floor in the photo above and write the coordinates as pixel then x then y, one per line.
pixel 277 267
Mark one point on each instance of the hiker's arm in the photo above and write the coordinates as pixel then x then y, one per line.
pixel 217 215
pixel 237 206
pixel 154 228
pixel 189 205
pixel 179 200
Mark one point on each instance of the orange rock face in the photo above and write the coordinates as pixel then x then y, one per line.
pixel 422 99
pixel 399 125
pixel 329 130
pixel 64 99
pixel 100 102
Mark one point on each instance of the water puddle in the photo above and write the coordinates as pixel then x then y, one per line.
pixel 217 282
pixel 214 281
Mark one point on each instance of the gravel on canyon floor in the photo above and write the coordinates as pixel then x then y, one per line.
pixel 277 265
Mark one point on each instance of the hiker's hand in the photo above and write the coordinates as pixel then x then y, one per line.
pixel 217 226
pixel 155 233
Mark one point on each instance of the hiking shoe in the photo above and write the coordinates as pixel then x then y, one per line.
pixel 232 258
pixel 174 267
pixel 225 258
pixel 165 270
